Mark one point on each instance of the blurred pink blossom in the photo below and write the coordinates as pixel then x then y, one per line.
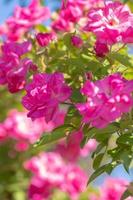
pixel 113 189
pixel 24 131
pixel 51 172
pixel 71 12
pixel 71 149
pixel 25 18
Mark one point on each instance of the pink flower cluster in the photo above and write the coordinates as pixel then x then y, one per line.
pixel 71 150
pixel 112 189
pixel 23 130
pixel 71 12
pixel 23 19
pixel 13 69
pixel 45 94
pixel 107 100
pixel 50 173
pixel 111 23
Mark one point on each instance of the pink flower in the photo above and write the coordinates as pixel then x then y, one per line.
pixel 17 48
pixel 110 22
pixel 113 189
pixel 24 131
pixel 77 41
pixel 83 3
pixel 62 25
pixel 71 150
pixel 3 29
pixel 16 77
pixel 25 18
pixel 39 190
pixel 70 13
pixel 44 39
pixel 21 128
pixel 101 49
pixel 51 172
pixel 21 146
pixel 88 148
pixel 45 94
pixel 13 69
pixel 107 100
pixel 7 62
pixel 127 36
pixel 74 181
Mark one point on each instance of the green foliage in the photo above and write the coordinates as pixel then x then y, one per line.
pixel 55 135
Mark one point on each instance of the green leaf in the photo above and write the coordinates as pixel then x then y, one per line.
pixel 83 142
pixel 93 66
pixel 122 58
pixel 67 40
pixel 98 149
pixel 41 28
pixel 76 96
pixel 125 195
pixel 110 129
pixel 126 139
pixel 127 158
pixel 97 161
pixel 124 124
pixel 103 134
pixel 57 134
pixel 97 173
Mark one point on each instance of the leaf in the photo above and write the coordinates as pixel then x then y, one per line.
pixel 76 96
pixel 124 124
pixel 98 149
pixel 127 158
pixel 97 161
pixel 126 139
pixel 67 40
pixel 125 195
pixel 57 134
pixel 93 66
pixel 97 173
pixel 83 142
pixel 110 129
pixel 41 28
pixel 103 134
pixel 122 58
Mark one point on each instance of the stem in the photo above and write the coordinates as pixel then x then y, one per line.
pixel 120 48
pixel 67 103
